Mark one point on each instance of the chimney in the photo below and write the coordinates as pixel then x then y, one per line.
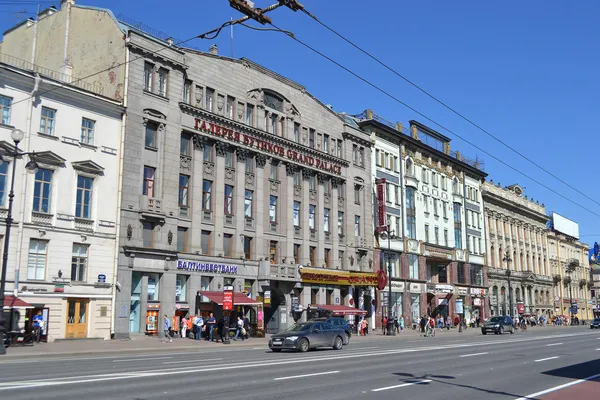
pixel 47 12
pixel 214 50
pixel 65 3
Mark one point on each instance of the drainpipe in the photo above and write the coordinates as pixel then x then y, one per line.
pixel 66 69
pixel 119 196
pixel 34 40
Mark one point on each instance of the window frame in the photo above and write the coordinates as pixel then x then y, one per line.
pixel 87 132
pixel 80 204
pixel 229 206
pixel 149 181
pixel 5 109
pixel 48 127
pixel 184 191
pixel 37 256
pixel 39 187
pixel 207 195
pixel 76 263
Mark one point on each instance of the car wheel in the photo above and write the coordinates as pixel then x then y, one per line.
pixel 338 343
pixel 347 338
pixel 303 346
pixel 275 350
pixel 501 330
pixel 512 330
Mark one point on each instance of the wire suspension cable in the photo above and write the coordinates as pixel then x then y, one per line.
pixel 430 119
pixel 442 103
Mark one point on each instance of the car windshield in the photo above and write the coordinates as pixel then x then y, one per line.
pixel 597 320
pixel 299 327
pixel 496 319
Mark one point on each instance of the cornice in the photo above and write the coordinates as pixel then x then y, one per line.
pixel 364 141
pixel 512 207
pixel 155 54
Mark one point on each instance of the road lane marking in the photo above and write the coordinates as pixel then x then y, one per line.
pixel 142 359
pixel 402 385
pixel 559 387
pixel 545 359
pixel 202 360
pixel 473 355
pixel 283 378
pixel 553 344
pixel 362 348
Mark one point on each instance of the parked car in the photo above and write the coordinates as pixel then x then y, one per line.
pixel 498 325
pixel 308 335
pixel 337 322
pixel 595 324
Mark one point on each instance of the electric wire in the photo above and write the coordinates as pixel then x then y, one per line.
pixel 383 91
pixel 445 105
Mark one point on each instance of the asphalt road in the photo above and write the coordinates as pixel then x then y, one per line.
pixel 544 363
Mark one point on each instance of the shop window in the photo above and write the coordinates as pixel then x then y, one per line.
pixel 153 287
pixel 181 288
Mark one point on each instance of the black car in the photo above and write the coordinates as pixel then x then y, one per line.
pixel 595 324
pixel 308 335
pixel 498 325
pixel 337 322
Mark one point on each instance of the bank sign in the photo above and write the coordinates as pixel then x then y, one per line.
pixel 206 267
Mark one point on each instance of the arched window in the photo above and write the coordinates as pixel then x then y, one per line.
pixel 492 257
pixel 410 170
pixel 455 187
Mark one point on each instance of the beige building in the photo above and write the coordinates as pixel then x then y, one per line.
pixel 517 225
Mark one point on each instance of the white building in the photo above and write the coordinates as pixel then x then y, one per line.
pixel 63 240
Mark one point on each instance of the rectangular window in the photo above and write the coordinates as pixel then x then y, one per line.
pixel 411 227
pixel 296 132
pixel 42 191
pixel 426 233
pixel 458 238
pixel 311 138
pixel 3 182
pixel 312 182
pixel 312 255
pixel 148 188
pixel 435 207
pixel 208 153
pixel 297 179
pixel 398 229
pixel 296 216
pixel 248 195
pixel 326 219
pixel 273 252
pixel 388 193
pixel 83 202
pixel 184 186
pixel 377 160
pixel 357 225
pixel 180 288
pixel 182 239
pixel 327 254
pixel 437 235
pixel 273 171
pixel 311 217
pixel 206 195
pixel 36 261
pixel 339 148
pixel 210 98
pixel 434 179
pixel 457 216
pixel 205 242
pixel 397 194
pixel 185 147
pixel 228 200
pixel 5 107
pixel 273 127
pixel 326 143
pixel 87 131
pixel 444 183
pixel 340 223
pixel 227 244
pixel 297 253
pixel 47 121
pixel 445 209
pixel 163 79
pixel 153 286
pixel 247 247
pixel 273 208
pixel 249 115
pixel 148 234
pixel 356 194
pixel 151 134
pixel 79 261
pixel 426 203
pixel 446 237
pixel 229 159
pixel 413 264
pixel 230 107
pixel 148 76
pixel 249 163
pixel 187 91
pixel 396 164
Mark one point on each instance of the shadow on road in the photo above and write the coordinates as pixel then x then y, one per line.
pixel 576 371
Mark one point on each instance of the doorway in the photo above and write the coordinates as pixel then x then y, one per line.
pixel 77 319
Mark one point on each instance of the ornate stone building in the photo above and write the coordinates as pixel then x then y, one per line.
pixel 516 226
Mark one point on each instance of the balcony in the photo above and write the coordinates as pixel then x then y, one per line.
pixel 151 205
pixel 39 218
pixel 283 271
pixel 82 224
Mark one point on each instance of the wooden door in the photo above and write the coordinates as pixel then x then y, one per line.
pixel 77 319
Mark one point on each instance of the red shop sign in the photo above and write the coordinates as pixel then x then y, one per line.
pixel 382 280
pixel 521 308
pixel 227 300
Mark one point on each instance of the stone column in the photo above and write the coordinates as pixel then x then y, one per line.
pixel 261 208
pixel 218 190
pixel 238 203
pixel 287 220
pixel 319 220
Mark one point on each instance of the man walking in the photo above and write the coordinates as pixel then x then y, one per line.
pixel 166 329
pixel 38 325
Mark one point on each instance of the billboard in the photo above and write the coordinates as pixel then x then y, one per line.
pixel 380 192
pixel 566 226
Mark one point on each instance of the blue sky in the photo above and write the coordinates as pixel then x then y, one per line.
pixel 524 70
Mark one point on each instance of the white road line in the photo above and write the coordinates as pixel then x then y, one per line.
pixel 473 355
pixel 553 344
pixel 597 349
pixel 142 359
pixel 559 387
pixel 283 378
pixel 201 360
pixel 402 385
pixel 545 359
pixel 362 348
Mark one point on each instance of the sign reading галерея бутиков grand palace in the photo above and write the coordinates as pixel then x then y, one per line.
pixel 259 144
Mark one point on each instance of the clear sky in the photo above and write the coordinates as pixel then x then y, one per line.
pixel 524 70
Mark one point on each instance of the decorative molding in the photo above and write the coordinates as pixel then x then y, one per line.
pixel 222 148
pixel 170 237
pixel 88 167
pixel 321 178
pixel 242 154
pixel 129 232
pixel 291 169
pixel 199 140
pixel 261 160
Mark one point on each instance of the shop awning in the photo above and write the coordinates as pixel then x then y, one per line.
pixel 339 310
pixel 239 299
pixel 15 302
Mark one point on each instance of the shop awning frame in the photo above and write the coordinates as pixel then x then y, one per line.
pixel 239 298
pixel 15 302
pixel 339 310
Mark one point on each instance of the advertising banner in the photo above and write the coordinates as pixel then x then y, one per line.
pixel 228 298
pixel 380 192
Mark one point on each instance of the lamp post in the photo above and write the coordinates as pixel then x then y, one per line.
pixel 390 319
pixel 571 267
pixel 507 259
pixel 16 136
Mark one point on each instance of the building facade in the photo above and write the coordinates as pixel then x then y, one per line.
pixel 434 209
pixel 517 225
pixel 63 239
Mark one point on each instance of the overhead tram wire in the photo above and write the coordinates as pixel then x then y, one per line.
pixel 291 35
pixel 445 105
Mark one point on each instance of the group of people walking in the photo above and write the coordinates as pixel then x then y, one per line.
pixel 212 330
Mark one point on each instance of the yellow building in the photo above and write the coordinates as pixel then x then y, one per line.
pixel 571 274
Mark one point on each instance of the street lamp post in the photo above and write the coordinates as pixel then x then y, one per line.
pixel 390 322
pixel 507 259
pixel 17 136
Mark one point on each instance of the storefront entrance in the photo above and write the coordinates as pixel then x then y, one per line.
pixel 77 319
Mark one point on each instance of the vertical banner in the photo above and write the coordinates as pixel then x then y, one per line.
pixel 380 193
pixel 227 298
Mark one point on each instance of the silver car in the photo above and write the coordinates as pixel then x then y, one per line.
pixel 308 335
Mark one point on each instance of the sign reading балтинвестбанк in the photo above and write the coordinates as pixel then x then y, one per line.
pixel 207 267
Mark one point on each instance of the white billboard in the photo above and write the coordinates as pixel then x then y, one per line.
pixel 566 226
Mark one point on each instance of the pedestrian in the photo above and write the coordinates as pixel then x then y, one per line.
pixel 402 323
pixel 240 331
pixel 363 326
pixel 184 325
pixel 397 324
pixel 211 323
pixel 448 322
pixel 246 327
pixel 38 325
pixel 384 322
pixel 166 329
pixel 199 327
